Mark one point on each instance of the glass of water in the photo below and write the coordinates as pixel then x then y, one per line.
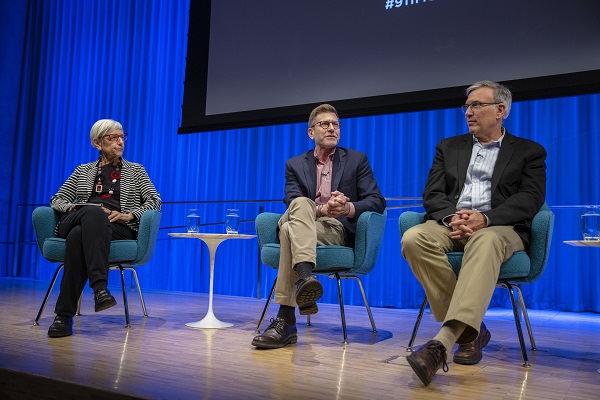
pixel 232 221
pixel 193 220
pixel 590 222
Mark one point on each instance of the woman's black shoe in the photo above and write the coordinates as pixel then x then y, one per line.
pixel 103 300
pixel 62 326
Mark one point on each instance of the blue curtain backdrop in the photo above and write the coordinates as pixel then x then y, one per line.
pixel 79 61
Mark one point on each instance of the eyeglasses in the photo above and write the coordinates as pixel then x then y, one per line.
pixel 114 136
pixel 325 124
pixel 475 106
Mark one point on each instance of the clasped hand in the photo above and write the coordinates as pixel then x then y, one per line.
pixel 465 223
pixel 337 205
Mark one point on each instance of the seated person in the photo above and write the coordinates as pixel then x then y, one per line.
pixel 101 201
pixel 482 193
pixel 326 190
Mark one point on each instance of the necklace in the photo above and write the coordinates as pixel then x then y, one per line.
pixel 115 176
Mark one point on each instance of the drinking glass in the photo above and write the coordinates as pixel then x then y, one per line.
pixel 232 221
pixel 590 222
pixel 193 220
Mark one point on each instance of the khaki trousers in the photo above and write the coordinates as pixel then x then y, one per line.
pixel 300 230
pixel 465 299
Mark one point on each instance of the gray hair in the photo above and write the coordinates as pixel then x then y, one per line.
pixel 323 108
pixel 501 93
pixel 103 127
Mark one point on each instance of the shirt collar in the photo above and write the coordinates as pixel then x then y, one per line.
pixel 493 143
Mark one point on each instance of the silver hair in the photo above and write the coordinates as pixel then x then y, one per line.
pixel 501 93
pixel 103 127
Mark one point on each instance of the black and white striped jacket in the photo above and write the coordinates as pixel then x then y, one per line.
pixel 138 194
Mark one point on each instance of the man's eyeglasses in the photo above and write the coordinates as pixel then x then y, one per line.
pixel 114 136
pixel 325 124
pixel 475 106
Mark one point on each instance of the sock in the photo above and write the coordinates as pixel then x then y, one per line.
pixel 304 270
pixel 449 333
pixel 288 314
pixel 100 284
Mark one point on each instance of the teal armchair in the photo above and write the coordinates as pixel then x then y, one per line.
pixel 521 267
pixel 124 254
pixel 340 262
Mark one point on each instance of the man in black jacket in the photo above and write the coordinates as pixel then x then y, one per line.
pixel 483 190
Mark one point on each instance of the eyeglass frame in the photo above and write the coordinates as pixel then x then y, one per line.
pixel 476 106
pixel 329 123
pixel 116 136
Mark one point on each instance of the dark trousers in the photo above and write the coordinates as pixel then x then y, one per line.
pixel 88 233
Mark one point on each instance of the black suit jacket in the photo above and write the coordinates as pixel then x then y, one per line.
pixel 518 181
pixel 351 174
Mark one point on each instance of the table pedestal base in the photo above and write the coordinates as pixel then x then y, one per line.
pixel 210 322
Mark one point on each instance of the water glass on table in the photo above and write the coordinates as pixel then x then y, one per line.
pixel 232 221
pixel 590 223
pixel 193 220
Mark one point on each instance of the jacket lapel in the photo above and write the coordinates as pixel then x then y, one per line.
pixel 506 151
pixel 464 157
pixel 310 174
pixel 126 182
pixel 339 162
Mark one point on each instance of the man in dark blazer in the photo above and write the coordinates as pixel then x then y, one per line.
pixel 326 190
pixel 483 190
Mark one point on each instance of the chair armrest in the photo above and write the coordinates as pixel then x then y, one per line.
pixel 266 228
pixel 539 247
pixel 147 235
pixel 369 235
pixel 408 219
pixel 44 223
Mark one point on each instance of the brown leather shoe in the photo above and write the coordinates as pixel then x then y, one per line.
pixel 427 359
pixel 278 334
pixel 308 291
pixel 471 353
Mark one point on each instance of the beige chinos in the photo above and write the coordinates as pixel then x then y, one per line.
pixel 300 230
pixel 465 299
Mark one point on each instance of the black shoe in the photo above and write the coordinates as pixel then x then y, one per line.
pixel 308 291
pixel 471 353
pixel 427 360
pixel 62 326
pixel 278 334
pixel 103 300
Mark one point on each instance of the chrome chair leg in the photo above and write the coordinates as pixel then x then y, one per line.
pixel 48 294
pixel 264 313
pixel 364 296
pixel 342 313
pixel 125 304
pixel 417 324
pixel 139 289
pixel 525 317
pixel 518 323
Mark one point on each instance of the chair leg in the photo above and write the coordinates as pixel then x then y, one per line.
pixel 125 304
pixel 342 313
pixel 525 317
pixel 139 289
pixel 47 294
pixel 364 296
pixel 417 324
pixel 518 323
pixel 78 312
pixel 264 313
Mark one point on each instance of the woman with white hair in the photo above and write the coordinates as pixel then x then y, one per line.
pixel 101 201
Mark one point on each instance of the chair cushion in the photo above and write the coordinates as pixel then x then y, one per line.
pixel 120 250
pixel 328 257
pixel 516 267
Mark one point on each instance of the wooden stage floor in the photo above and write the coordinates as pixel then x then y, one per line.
pixel 160 358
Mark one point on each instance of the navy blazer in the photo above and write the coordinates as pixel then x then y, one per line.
pixel 518 181
pixel 351 174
